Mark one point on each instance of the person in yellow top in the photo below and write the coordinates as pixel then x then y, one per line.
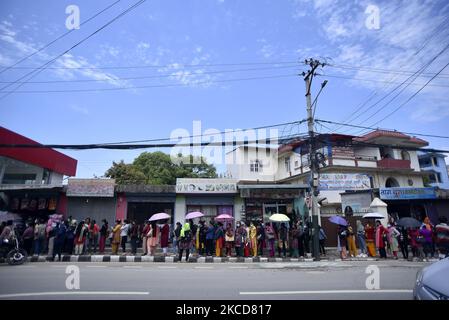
pixel 351 242
pixel 116 236
pixel 253 238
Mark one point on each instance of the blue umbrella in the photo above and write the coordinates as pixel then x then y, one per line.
pixel 338 220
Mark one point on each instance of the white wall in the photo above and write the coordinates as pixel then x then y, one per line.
pixel 367 152
pixel 414 162
pixel 238 205
pixel 381 178
pixel 14 166
pixel 180 208
pixel 238 164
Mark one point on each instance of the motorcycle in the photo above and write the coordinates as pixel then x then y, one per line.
pixel 11 251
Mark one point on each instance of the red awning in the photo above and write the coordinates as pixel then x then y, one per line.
pixel 41 157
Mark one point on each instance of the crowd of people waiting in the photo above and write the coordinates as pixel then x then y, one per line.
pixel 424 241
pixel 57 236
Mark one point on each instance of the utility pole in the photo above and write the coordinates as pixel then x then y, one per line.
pixel 308 77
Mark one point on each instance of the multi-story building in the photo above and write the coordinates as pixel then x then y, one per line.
pixel 31 179
pixel 435 165
pixel 353 171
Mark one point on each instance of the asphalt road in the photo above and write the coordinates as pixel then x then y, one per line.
pixel 219 281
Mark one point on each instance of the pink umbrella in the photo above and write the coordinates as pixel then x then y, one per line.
pixel 224 216
pixel 193 215
pixel 159 216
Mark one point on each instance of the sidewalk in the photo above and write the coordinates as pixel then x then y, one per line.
pixel 331 255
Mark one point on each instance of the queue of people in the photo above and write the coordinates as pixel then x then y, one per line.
pixel 424 241
pixel 222 239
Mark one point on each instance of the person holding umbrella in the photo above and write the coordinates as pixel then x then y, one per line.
pixel 403 242
pixel 342 235
pixel 185 238
pixel 219 239
pixel 152 238
pixel 361 239
pixel 165 232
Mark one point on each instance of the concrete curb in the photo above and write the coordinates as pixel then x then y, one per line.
pixel 192 259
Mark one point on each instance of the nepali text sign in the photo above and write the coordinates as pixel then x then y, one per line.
pixel 407 193
pixel 337 181
pixel 206 186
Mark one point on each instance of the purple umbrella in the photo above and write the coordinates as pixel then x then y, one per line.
pixel 338 220
pixel 159 216
pixel 224 216
pixel 193 215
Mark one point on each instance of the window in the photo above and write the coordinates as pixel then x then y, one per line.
pixel 386 153
pixel 255 166
pixel 391 183
pixel 296 163
pixel 46 177
pixel 405 155
pixel 19 178
pixel 435 178
pixel 287 164
pixel 434 161
pixel 425 162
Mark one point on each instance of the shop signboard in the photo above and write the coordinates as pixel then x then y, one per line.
pixel 184 185
pixel 343 181
pixel 356 202
pixel 407 193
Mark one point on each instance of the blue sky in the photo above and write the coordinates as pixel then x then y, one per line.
pixel 176 39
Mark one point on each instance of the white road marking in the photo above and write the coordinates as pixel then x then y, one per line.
pixel 167 267
pixel 63 293
pixel 132 267
pixel 238 267
pixel 204 267
pixel 325 292
pixel 97 266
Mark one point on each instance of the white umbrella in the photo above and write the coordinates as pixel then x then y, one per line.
pixel 279 217
pixel 373 215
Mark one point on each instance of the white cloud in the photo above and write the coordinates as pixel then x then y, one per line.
pixel 143 45
pixel 405 26
pixel 78 109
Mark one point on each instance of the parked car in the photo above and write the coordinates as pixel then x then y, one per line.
pixel 432 282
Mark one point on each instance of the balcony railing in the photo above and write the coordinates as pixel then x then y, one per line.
pixel 388 163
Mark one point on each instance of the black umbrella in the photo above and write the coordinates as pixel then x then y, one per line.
pixel 409 223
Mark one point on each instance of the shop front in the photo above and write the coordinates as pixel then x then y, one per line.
pixel 413 202
pixel 29 204
pixel 261 201
pixel 91 198
pixel 139 202
pixel 212 197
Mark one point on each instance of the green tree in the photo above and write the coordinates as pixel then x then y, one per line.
pixel 157 168
pixel 125 173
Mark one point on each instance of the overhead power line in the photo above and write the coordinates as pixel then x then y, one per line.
pixel 143 146
pixel 36 71
pixel 359 109
pixel 373 128
pixel 154 86
pixel 55 40
pixel 382 81
pixel 208 134
pixel 170 65
pixel 411 97
pixel 191 73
